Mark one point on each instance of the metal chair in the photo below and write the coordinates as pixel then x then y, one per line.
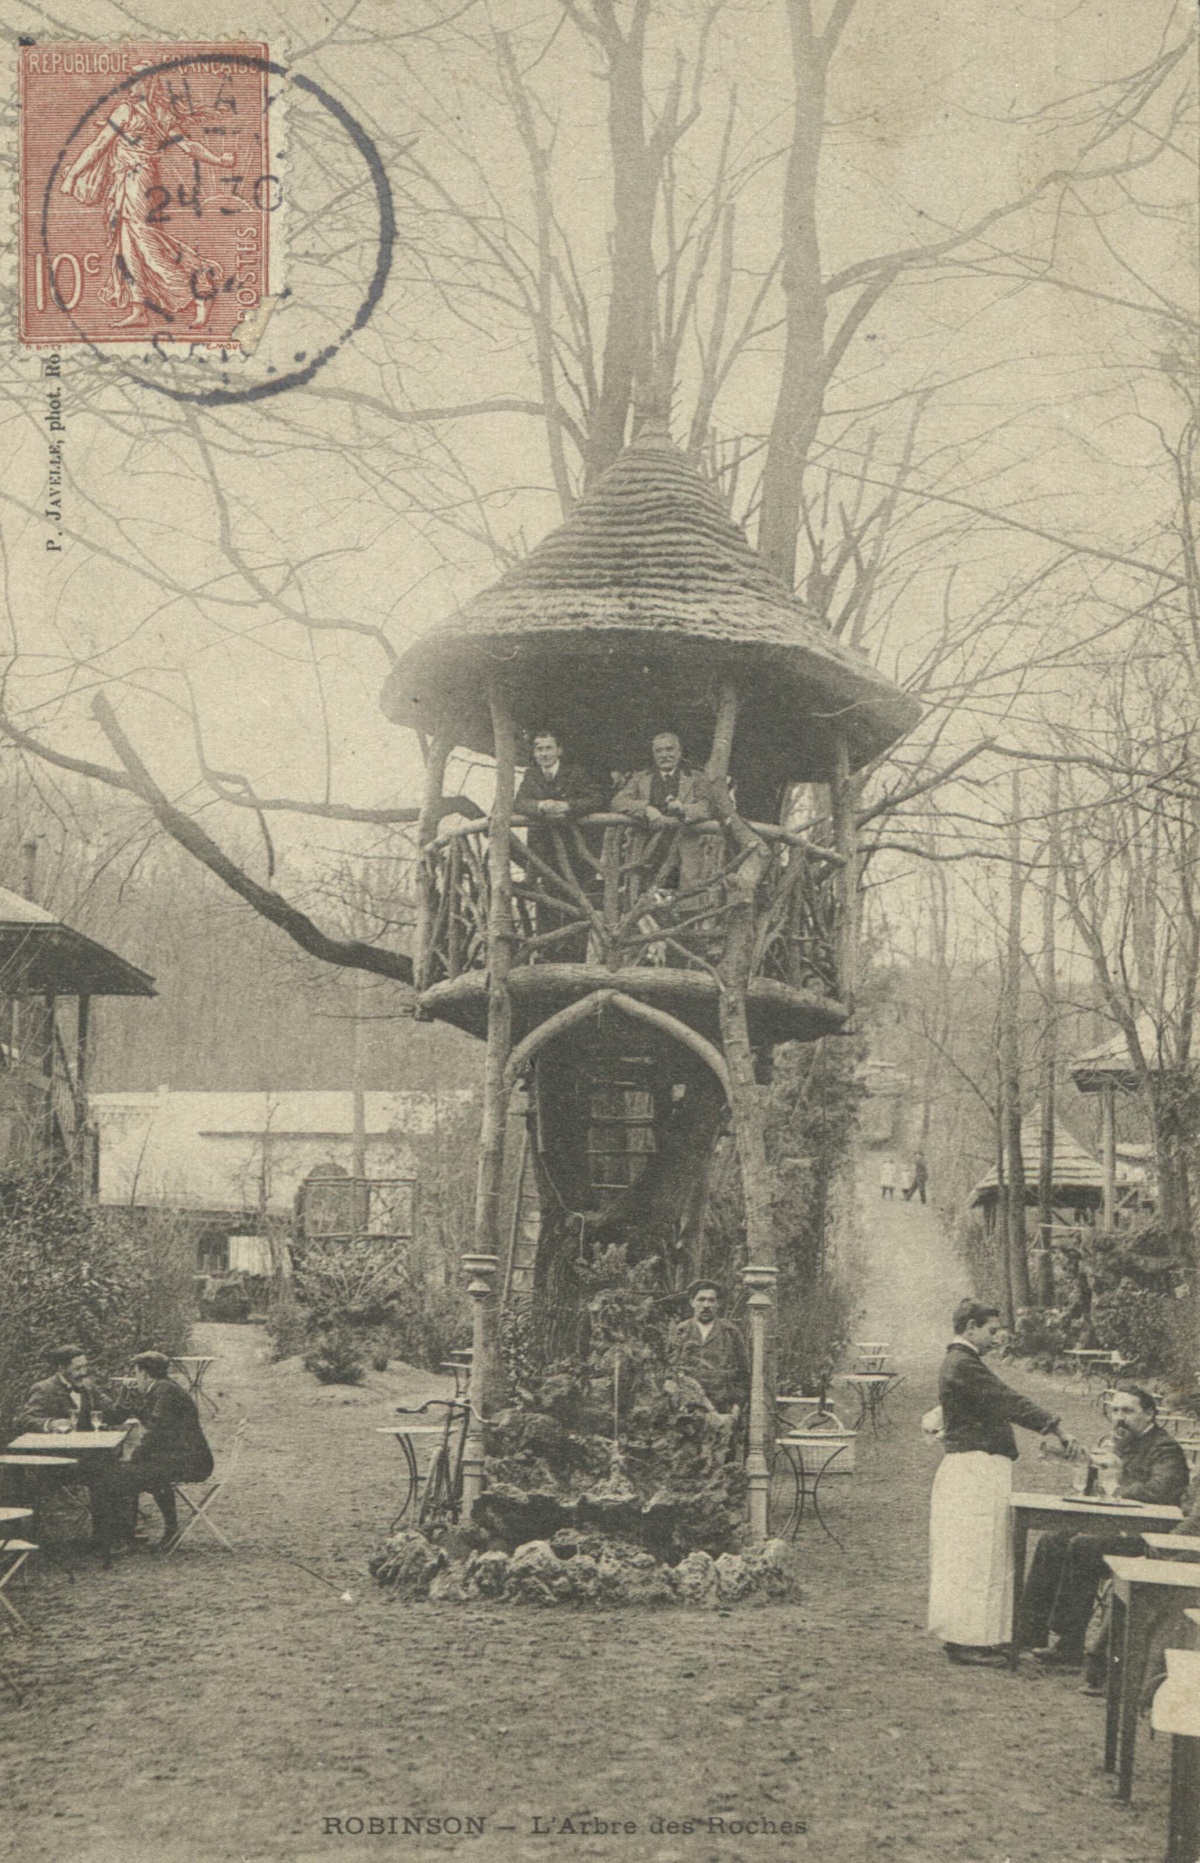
pixel 200 1510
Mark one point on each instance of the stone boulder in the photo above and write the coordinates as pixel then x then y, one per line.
pixel 695 1579
pixel 408 1563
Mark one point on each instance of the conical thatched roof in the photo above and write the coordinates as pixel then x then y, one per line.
pixel 626 617
pixel 1077 1174
pixel 1109 1065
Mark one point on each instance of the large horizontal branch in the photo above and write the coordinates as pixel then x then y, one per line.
pixel 894 801
pixel 350 953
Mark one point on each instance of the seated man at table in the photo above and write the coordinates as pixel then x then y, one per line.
pixel 68 1396
pixel 1068 1568
pixel 171 1447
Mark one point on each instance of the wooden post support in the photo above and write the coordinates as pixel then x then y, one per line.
pixel 427 821
pixel 480 1287
pixel 717 766
pixel 1108 1109
pixel 83 1011
pixel 500 935
pixel 761 1282
pixel 842 809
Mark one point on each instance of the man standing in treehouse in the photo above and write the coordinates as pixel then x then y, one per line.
pixel 673 792
pixel 711 1350
pixel 554 792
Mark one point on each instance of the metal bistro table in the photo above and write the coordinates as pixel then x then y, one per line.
pixel 811 1454
pixel 444 1472
pixel 871 1389
pixel 1137 1585
pixel 1056 1513
pixel 194 1367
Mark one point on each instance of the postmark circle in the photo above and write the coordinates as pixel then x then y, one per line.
pixel 307 365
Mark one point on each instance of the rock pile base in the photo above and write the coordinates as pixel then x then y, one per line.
pixel 585 1569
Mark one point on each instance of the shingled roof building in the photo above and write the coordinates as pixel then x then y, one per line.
pixel 49 973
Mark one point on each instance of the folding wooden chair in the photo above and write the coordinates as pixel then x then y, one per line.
pixel 200 1509
pixel 13 1554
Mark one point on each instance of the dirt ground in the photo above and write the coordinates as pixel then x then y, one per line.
pixel 216 1707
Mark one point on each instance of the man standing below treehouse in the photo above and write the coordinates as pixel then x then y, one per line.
pixel 710 1349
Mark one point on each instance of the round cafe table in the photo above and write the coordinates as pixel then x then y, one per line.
pixel 871 1389
pixel 194 1367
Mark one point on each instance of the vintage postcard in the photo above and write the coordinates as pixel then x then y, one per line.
pixel 599 1141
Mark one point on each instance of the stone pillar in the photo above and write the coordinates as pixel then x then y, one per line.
pixel 482 1272
pixel 761 1282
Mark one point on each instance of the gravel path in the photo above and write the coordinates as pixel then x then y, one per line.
pixel 213 1707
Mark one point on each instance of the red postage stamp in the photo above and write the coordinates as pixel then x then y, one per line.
pixel 146 191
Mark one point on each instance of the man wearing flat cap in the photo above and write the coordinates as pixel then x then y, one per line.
pixel 711 1350
pixel 171 1447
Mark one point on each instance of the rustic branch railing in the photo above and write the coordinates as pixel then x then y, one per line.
pixel 611 892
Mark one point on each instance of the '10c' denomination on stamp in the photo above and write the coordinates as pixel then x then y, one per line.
pixel 146 191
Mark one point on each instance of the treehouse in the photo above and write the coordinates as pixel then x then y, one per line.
pixel 633 972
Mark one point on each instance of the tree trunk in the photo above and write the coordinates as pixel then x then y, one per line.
pixel 627 337
pixel 1010 1047
pixel 802 373
pixel 1045 1260
pixel 499 1031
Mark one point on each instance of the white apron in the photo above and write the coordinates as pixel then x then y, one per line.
pixel 970 1550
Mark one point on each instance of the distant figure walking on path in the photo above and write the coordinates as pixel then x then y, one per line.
pixel 887 1176
pixel 970 1534
pixel 920 1177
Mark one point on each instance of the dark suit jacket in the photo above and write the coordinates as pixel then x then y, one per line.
pixel 979 1409
pixel 573 785
pixel 719 1364
pixel 1153 1468
pixel 52 1399
pixel 172 1433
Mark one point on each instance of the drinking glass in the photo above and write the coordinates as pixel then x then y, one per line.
pixel 1081 1468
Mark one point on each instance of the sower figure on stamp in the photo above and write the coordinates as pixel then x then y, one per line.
pixel 970 1532
pixel 152 270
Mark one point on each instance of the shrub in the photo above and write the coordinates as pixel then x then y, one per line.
pixel 425 1322
pixel 116 1281
pixel 1153 1330
pixel 289 1326
pixel 335 1357
pixel 1041 1337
